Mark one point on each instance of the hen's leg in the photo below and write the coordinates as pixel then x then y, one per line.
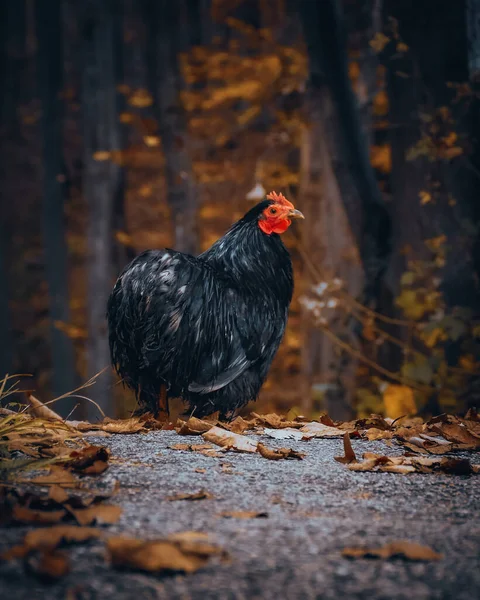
pixel 163 412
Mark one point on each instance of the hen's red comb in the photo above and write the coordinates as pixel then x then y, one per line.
pixel 279 199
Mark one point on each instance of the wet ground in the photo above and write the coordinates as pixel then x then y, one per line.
pixel 316 507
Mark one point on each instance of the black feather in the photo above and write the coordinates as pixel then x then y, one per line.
pixel 206 327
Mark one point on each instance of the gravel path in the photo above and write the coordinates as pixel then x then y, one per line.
pixel 316 507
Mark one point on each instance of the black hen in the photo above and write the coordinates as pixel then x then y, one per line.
pixel 205 328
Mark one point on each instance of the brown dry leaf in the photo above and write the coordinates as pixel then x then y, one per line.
pixel 378 434
pixel 320 430
pixel 91 460
pixel 239 425
pixel 200 495
pixel 193 426
pixel 200 470
pixel 49 566
pixel 181 447
pixel 56 476
pixel 401 469
pixel 229 440
pixel 244 514
pixel 52 537
pixel 278 454
pixel 57 494
pixel 275 421
pixel 452 429
pixel 49 538
pixel 39 410
pixel 101 514
pixel 348 450
pixel 402 549
pixel 133 425
pixel 376 421
pixel 186 555
pixel 392 464
pixel 23 514
pixel 205 449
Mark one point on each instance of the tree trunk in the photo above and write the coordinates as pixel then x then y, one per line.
pixel 437 55
pixel 101 181
pixel 163 21
pixel 368 218
pixel 473 32
pixel 348 210
pixel 50 68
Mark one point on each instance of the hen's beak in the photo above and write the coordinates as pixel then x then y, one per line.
pixel 295 214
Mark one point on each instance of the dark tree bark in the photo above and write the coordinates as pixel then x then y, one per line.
pixel 437 55
pixel 341 184
pixel 50 67
pixel 102 179
pixel 6 349
pixel 472 16
pixel 326 41
pixel 168 25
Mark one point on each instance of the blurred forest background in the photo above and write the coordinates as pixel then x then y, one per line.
pixel 134 124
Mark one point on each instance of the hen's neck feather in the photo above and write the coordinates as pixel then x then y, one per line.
pixel 253 259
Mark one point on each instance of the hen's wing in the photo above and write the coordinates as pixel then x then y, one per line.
pixel 171 313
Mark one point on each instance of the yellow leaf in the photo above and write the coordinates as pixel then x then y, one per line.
pixel 401 47
pixel 409 303
pixel 123 238
pixel 467 362
pixel 433 337
pixel 126 117
pixel 380 104
pixel 152 141
pixel 436 242
pixel 398 401
pixel 140 98
pixel 425 197
pixel 381 158
pixel 379 42
pixel 101 155
pixel 72 331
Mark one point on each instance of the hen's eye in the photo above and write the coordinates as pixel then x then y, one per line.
pixel 273 211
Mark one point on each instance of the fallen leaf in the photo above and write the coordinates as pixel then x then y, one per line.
pixel 244 514
pixel 378 434
pixel 284 434
pixel 89 460
pixel 229 440
pixel 200 495
pixel 23 514
pixel 320 430
pixel 378 462
pixel 205 449
pixel 275 421
pixel 279 453
pixel 454 431
pixel 348 450
pixel 181 447
pixel 239 425
pixel 402 549
pixel 101 514
pixel 49 538
pixel 57 475
pixel 193 426
pixel 49 566
pixel 200 470
pixel 163 555
pixel 57 494
pixel 38 409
